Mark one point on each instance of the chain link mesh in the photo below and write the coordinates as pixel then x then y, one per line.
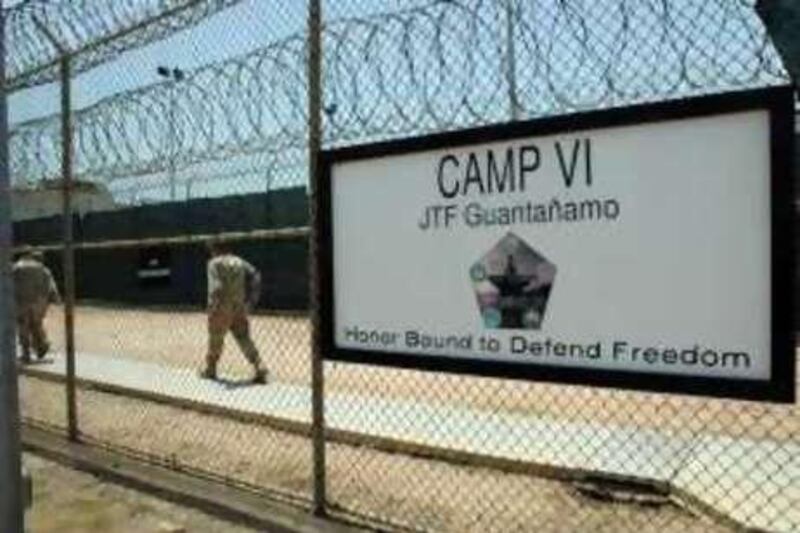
pixel 222 152
pixel 93 32
pixel 407 72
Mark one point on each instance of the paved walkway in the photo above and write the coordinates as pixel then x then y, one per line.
pixel 756 482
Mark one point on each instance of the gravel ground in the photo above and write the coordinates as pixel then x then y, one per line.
pixel 69 501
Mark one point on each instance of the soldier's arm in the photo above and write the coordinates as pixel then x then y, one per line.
pixel 214 283
pixel 54 295
pixel 254 285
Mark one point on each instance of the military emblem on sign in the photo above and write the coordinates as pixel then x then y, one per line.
pixel 512 284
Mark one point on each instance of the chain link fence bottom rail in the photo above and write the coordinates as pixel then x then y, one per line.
pixel 384 490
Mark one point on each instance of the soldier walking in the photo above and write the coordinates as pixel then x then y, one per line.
pixel 234 287
pixel 34 291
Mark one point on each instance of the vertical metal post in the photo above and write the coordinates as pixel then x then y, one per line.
pixel 781 18
pixel 69 252
pixel 314 147
pixel 173 142
pixel 12 514
pixel 511 62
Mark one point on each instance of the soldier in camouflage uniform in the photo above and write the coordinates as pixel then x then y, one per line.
pixel 34 291
pixel 234 287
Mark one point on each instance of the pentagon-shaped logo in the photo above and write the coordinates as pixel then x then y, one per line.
pixel 512 284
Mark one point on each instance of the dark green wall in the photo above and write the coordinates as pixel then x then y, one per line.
pixel 111 275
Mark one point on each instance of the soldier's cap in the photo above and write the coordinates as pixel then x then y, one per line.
pixel 27 252
pixel 216 246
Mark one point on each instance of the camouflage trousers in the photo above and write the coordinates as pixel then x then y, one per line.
pixel 233 319
pixel 30 329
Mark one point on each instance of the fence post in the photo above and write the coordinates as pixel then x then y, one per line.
pixel 781 18
pixel 12 515
pixel 511 61
pixel 69 252
pixel 314 146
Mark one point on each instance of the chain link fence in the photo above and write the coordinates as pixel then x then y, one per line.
pixel 41 32
pixel 214 145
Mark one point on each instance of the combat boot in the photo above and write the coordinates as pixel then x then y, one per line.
pixel 44 349
pixel 209 373
pixel 260 376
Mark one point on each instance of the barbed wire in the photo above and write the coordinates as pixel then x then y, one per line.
pixel 489 453
pixel 91 31
pixel 444 65
pixel 256 173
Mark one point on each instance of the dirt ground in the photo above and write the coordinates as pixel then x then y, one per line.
pixel 178 338
pixel 414 492
pixel 69 501
pixel 388 489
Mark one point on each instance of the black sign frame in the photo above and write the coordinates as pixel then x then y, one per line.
pixel 778 101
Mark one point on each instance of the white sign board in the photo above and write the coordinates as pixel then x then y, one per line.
pixel 613 248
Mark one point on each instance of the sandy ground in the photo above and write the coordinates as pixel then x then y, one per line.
pixel 69 501
pixel 178 338
pixel 420 493
pixel 388 488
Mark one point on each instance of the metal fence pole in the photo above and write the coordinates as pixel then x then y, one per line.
pixel 511 61
pixel 69 252
pixel 173 143
pixel 12 515
pixel 314 146
pixel 781 18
